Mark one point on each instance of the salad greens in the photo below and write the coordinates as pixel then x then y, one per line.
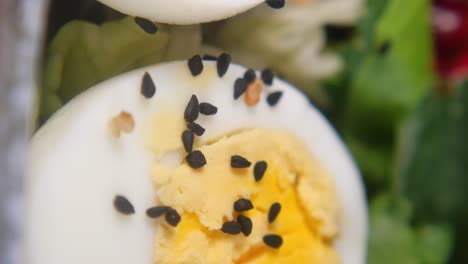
pixel 386 86
pixel 82 54
pixel 433 162
pixel 437 133
pixel 407 145
pixel 393 240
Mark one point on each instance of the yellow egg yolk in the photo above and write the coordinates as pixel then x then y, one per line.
pixel 204 198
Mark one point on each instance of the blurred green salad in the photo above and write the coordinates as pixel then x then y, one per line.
pixel 83 54
pixel 367 64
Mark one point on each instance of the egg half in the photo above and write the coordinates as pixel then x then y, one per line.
pixel 182 11
pixel 192 162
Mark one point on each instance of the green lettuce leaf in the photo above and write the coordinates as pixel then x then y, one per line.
pixel 394 240
pixel 374 160
pixel 433 163
pixel 388 86
pixel 374 11
pixel 83 54
pixel 387 75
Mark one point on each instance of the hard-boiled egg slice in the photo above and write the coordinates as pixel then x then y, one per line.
pixel 185 11
pixel 101 168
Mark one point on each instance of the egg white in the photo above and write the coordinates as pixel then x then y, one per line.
pixel 76 166
pixel 182 12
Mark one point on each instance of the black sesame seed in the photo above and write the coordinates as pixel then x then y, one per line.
pixel 242 205
pixel 275 3
pixel 195 65
pixel 172 217
pixel 250 76
pixel 240 86
pixel 196 159
pixel 156 211
pixel 259 170
pixel 148 89
pixel 209 57
pixel 273 98
pixel 191 110
pixel 246 224
pixel 274 212
pixel 207 109
pixel 273 241
pixel 267 76
pixel 123 205
pixel 239 162
pixel 384 48
pixel 148 26
pixel 187 140
pixel 232 228
pixel 196 128
pixel 222 64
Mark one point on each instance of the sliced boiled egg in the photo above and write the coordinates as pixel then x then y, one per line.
pixel 192 162
pixel 186 11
